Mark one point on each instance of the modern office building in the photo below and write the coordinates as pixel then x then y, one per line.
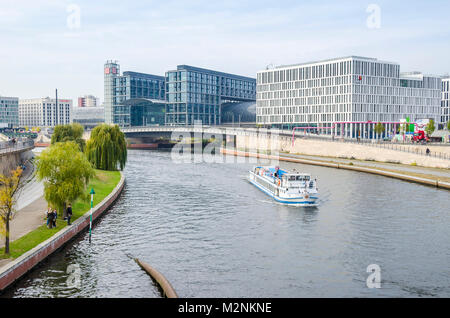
pixel 195 94
pixel 239 113
pixel 189 94
pixel 445 102
pixel 88 117
pixel 88 101
pixel 142 112
pixel 45 112
pixel 9 111
pixel 131 85
pixel 343 93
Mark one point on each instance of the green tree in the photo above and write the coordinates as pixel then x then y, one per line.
pixel 107 148
pixel 9 189
pixel 379 128
pixel 430 127
pixel 71 132
pixel 65 172
pixel 448 125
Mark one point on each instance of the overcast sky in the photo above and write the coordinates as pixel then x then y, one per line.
pixel 60 43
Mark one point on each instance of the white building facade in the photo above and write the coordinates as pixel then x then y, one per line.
pixel 344 94
pixel 42 112
pixel 445 103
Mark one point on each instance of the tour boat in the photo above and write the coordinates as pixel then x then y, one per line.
pixel 291 188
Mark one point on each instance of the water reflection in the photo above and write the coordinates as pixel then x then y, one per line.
pixel 213 234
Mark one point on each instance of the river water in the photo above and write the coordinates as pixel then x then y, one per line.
pixel 213 234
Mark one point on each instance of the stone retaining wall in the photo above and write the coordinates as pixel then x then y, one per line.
pixel 338 150
pixel 10 160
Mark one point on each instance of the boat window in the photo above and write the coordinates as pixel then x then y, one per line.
pixel 302 178
pixel 291 178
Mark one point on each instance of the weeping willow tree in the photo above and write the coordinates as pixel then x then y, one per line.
pixel 70 132
pixel 107 148
pixel 65 172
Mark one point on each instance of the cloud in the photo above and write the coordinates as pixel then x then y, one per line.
pixel 239 37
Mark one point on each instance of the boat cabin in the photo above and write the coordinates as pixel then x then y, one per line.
pixel 285 179
pixel 291 180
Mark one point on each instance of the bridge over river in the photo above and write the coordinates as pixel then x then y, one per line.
pixel 299 142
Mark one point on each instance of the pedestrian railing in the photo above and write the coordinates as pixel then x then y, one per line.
pixel 414 149
pixel 16 145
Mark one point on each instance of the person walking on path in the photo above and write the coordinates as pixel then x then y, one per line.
pixel 428 151
pixel 69 214
pixel 49 217
pixel 55 216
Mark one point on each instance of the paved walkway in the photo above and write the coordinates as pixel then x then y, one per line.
pixel 32 190
pixel 27 219
pixel 30 207
pixel 372 164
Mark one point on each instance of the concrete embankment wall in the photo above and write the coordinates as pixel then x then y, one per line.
pixel 19 267
pixel 10 160
pixel 337 149
pixel 405 177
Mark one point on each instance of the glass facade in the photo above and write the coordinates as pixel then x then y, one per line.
pixel 190 94
pixel 140 112
pixel 130 85
pixel 111 72
pixel 195 94
pixel 9 111
pixel 89 117
pixel 238 112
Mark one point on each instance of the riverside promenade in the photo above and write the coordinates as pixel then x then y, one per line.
pixel 12 269
pixel 30 203
pixel 30 208
pixel 439 173
pixel 26 220
pixel 432 177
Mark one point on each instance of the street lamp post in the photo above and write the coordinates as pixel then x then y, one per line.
pixel 90 220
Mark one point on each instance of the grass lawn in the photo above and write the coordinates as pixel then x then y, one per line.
pixel 103 183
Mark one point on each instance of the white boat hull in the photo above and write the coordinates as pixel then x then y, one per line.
pixel 302 199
